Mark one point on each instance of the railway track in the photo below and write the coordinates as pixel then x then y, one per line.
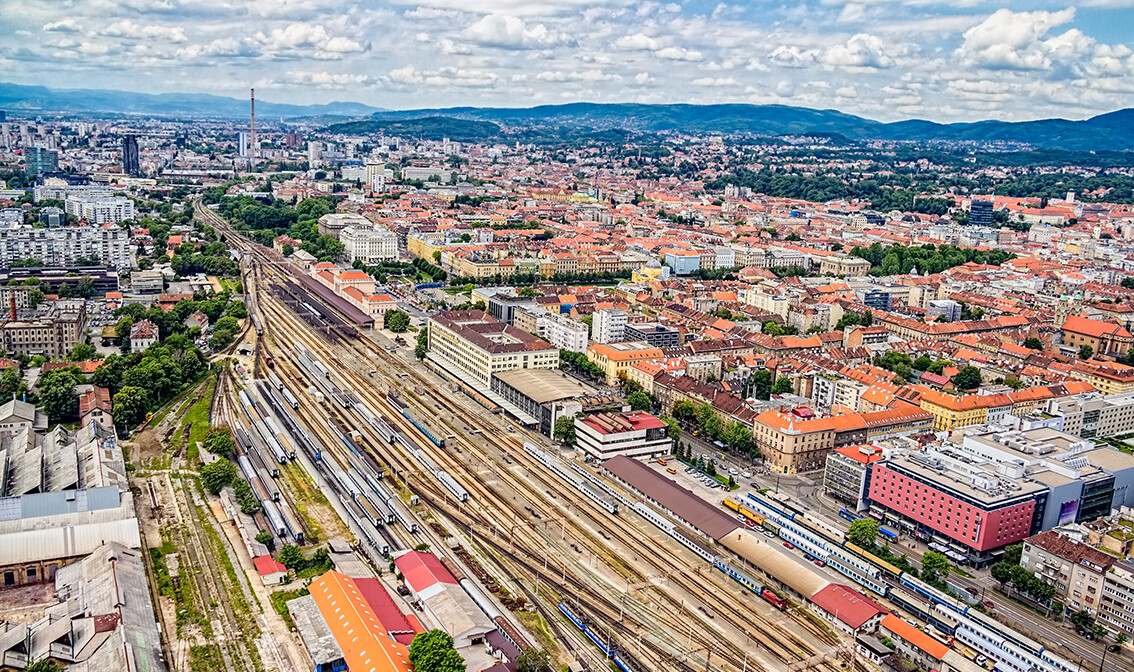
pixel 680 618
pixel 786 646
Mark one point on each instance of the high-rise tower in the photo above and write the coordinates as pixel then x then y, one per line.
pixel 131 164
pixel 252 146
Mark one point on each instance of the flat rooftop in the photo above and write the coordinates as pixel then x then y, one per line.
pixel 488 333
pixel 546 385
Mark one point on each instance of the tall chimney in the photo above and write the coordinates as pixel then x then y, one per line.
pixel 12 305
pixel 252 128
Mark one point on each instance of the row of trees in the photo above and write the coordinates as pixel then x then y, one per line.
pixel 736 435
pixel 144 381
pixel 578 363
pixel 263 222
pixel 928 258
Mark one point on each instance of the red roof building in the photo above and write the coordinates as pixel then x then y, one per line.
pixel 270 571
pixel 846 609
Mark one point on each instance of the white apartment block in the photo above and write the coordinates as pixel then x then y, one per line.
pixel 1095 415
pixel 608 325
pixel 369 244
pixel 475 346
pixel 101 210
pixel 563 332
pixel 65 246
pixel 61 191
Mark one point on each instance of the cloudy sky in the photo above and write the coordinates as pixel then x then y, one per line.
pixel 885 59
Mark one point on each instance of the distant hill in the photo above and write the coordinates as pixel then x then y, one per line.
pixel 39 98
pixel 425 128
pixel 1113 131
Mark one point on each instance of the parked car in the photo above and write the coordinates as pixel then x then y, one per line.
pixel 788 545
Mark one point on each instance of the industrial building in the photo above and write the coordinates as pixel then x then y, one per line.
pixel 547 395
pixel 52 335
pixel 103 619
pixel 443 600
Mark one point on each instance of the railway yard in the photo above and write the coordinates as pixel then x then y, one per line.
pixel 407 462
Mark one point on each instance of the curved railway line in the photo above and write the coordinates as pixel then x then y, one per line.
pixel 784 645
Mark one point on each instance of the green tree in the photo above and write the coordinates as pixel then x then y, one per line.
pixel 57 394
pixel 131 405
pixel 244 495
pixel 934 567
pixel 1086 352
pixel 685 411
pixel 422 346
pixel 217 474
pixel 219 442
pixel 534 660
pixel 564 430
pixel 1081 619
pixel 85 287
pixel 1002 571
pixel 783 386
pixel 640 401
pixel 45 665
pixel 967 378
pixel 760 383
pixel 863 532
pixel 396 321
pixel 1013 553
pixel 83 352
pixel 12 383
pixel 237 309
pixel 264 538
pixel 673 429
pixel 433 652
pixel 35 297
pixel 291 557
pixel 708 421
pixel 1033 343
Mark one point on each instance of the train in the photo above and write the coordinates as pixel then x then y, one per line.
pixel 398 404
pixel 275 380
pixel 606 646
pixel 743 579
pixel 441 475
pixel 952 617
pixel 608 504
pixel 257 325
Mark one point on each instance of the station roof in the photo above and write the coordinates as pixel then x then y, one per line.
pixel 774 562
pixel 422 570
pixel 682 502
pixel 915 637
pixel 545 385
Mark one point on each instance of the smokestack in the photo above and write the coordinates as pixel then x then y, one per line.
pixel 252 127
pixel 12 305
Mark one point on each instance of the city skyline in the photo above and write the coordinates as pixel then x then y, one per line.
pixel 881 60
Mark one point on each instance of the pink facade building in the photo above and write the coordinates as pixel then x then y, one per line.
pixel 966 517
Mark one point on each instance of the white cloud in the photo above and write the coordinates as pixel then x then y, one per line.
pixel 448 76
pixel 62 26
pixel 512 32
pixel 715 81
pixel 1014 40
pixel 310 38
pixel 328 80
pixel 643 78
pixel 637 42
pixel 846 92
pixel 861 51
pixel 679 54
pixel 130 30
pixel 457 48
pixel 593 75
pixel 792 56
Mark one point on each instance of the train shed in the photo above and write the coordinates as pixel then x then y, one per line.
pixel 768 558
pixel 675 500
pixel 328 296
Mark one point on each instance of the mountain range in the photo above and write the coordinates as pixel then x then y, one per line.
pixel 1113 131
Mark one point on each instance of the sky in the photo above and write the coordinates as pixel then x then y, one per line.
pixel 884 59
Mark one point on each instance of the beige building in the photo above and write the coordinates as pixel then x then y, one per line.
pixel 1076 570
pixel 616 358
pixel 1116 612
pixel 843 265
pixel 793 444
pixel 333 224
pixel 53 336
pixel 479 346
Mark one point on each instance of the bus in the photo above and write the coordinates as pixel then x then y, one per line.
pixel 849 515
pixel 889 534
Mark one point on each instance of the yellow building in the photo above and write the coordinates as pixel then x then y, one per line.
pixel 616 358
pixel 653 270
pixel 950 412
